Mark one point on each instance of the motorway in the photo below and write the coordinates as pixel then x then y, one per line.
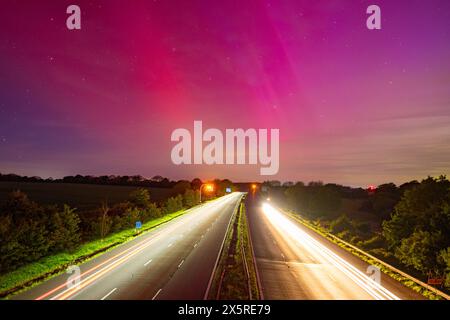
pixel 174 261
pixel 294 262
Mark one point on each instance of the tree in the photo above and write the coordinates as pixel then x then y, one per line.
pixel 196 183
pixel 444 259
pixel 419 228
pixel 181 186
pixel 384 199
pixel 420 251
pixel 152 212
pixel 140 198
pixel 174 204
pixel 314 200
pixel 190 198
pixel 64 229
pixel 132 215
pixel 424 207
pixel 24 234
pixel 341 224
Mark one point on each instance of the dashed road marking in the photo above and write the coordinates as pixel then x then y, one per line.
pixel 109 293
pixel 148 262
pixel 156 294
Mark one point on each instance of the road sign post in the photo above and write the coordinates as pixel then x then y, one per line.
pixel 138 226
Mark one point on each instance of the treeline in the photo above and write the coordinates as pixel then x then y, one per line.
pixel 30 231
pixel 407 225
pixel 136 180
pixel 418 231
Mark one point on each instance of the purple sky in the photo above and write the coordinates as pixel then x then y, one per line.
pixel 353 106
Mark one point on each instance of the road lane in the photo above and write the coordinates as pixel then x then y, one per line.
pixel 174 261
pixel 296 263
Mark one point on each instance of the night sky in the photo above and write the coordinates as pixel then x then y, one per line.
pixel 354 106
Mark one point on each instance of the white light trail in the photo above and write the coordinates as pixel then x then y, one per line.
pixel 201 213
pixel 289 228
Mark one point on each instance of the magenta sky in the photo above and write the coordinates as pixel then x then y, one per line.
pixel 353 106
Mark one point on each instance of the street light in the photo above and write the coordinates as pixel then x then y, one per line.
pixel 209 188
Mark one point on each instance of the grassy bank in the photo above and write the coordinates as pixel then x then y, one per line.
pixel 235 276
pixel 367 258
pixel 34 273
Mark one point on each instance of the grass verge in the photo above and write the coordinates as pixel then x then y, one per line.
pixel 235 275
pixel 32 274
pixel 367 258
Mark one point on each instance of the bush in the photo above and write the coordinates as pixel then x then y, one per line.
pixel 29 231
pixel 341 224
pixel 140 198
pixel 173 204
pixel 191 198
pixel 375 242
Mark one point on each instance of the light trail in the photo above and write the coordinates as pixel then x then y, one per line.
pixel 288 228
pixel 122 257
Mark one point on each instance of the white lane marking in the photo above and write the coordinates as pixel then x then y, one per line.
pixel 170 244
pixel 293 231
pixel 125 255
pixel 180 263
pixel 148 262
pixel 156 294
pixel 111 292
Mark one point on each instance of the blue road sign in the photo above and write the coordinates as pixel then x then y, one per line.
pixel 228 190
pixel 138 224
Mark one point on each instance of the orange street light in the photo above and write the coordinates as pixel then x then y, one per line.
pixel 209 188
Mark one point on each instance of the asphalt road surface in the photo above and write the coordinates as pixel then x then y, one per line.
pixel 174 261
pixel 297 263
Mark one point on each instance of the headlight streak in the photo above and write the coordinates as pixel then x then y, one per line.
pixel 125 255
pixel 286 227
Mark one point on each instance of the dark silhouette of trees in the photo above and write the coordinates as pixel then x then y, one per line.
pixel 419 229
pixel 29 231
pixel 136 180
pixel 313 200
pixel 196 183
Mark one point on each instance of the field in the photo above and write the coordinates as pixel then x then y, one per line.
pixel 80 196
